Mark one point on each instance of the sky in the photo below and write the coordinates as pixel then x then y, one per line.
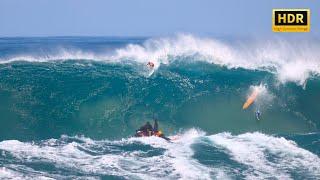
pixel 145 17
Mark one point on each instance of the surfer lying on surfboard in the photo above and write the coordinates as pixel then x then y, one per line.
pixel 148 130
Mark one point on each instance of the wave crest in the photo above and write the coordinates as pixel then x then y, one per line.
pixel 291 60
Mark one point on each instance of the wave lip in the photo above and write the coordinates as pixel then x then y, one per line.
pixel 277 56
pixel 291 61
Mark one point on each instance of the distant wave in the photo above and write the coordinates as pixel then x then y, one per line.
pixel 290 61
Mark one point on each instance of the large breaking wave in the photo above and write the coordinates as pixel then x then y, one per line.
pixel 291 60
pixel 103 87
pixel 66 102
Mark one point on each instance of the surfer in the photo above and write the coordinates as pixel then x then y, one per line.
pixel 155 125
pixel 258 114
pixel 157 132
pixel 150 64
pixel 148 130
pixel 145 130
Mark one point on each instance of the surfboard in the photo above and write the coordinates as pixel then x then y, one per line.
pixel 250 99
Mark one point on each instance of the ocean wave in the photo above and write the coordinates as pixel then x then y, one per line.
pixel 258 156
pixel 291 61
pixel 268 156
pixel 95 99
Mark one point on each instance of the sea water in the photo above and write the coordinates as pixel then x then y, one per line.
pixel 69 107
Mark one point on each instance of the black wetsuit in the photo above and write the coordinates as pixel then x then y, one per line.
pixel 146 129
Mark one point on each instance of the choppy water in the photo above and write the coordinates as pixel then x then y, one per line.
pixel 69 107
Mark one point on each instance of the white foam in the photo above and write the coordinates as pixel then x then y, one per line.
pixel 7 173
pixel 179 155
pixel 60 55
pixel 254 149
pixel 67 157
pixel 175 162
pixel 264 97
pixel 291 61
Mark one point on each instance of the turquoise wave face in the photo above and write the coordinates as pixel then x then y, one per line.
pixel 110 100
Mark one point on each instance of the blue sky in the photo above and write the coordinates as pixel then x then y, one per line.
pixel 144 17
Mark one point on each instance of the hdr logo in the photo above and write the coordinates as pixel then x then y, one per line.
pixel 291 20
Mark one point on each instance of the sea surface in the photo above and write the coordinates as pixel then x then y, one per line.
pixel 69 107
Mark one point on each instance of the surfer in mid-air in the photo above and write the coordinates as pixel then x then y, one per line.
pixel 148 130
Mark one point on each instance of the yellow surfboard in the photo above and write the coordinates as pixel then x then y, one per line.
pixel 250 99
